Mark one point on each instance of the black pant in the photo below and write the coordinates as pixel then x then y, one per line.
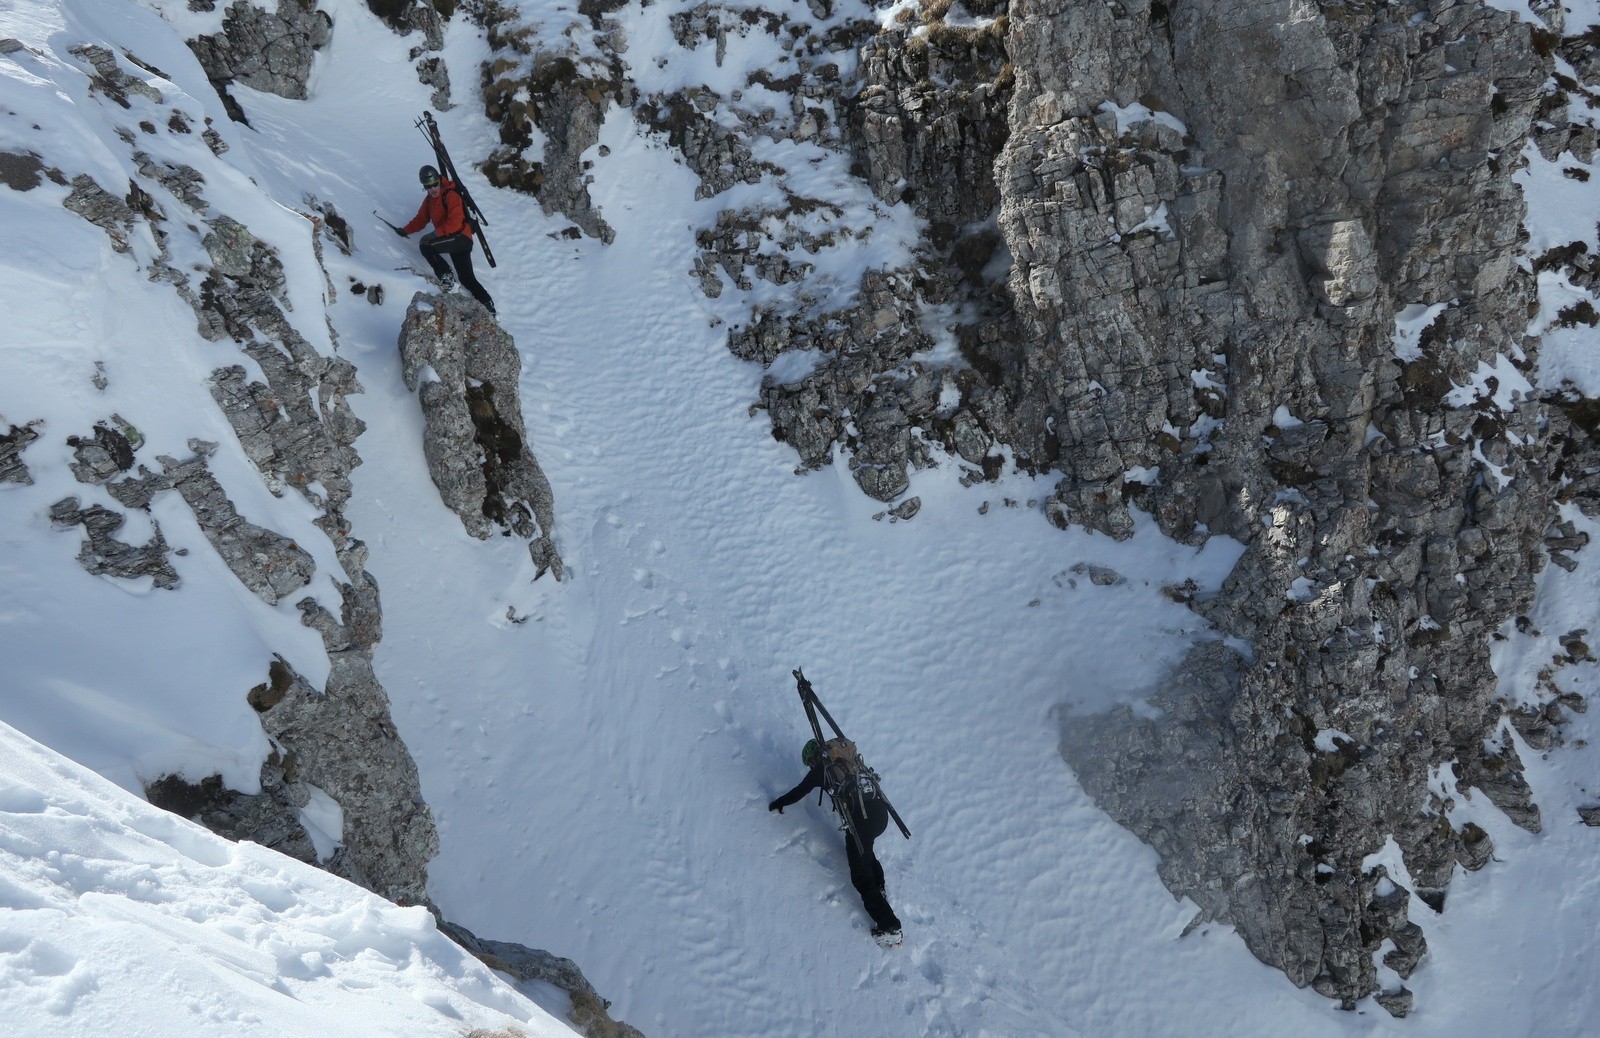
pixel 459 248
pixel 865 871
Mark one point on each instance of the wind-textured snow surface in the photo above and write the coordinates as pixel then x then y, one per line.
pixel 598 753
pixel 118 918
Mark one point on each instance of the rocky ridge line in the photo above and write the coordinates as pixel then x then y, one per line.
pixel 296 427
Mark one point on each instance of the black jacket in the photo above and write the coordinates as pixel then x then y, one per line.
pixel 813 780
pixel 870 825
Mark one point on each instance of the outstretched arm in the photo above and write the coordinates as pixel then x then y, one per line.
pixel 812 780
pixel 418 222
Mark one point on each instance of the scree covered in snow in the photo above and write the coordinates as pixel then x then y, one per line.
pixel 599 752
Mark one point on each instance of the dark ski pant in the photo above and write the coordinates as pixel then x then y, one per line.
pixel 459 248
pixel 865 870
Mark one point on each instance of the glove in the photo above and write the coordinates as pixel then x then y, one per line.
pixel 401 233
pixel 775 806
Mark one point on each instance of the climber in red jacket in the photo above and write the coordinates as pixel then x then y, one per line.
pixel 451 235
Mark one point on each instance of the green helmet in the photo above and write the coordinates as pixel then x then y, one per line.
pixel 810 752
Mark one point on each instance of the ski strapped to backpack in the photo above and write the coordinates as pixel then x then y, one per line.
pixel 846 775
pixel 475 217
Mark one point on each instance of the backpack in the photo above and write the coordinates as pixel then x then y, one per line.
pixel 847 777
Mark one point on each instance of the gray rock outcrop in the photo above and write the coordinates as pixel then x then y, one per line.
pixel 532 965
pixel 105 454
pixel 922 119
pixel 111 79
pixel 103 209
pixel 465 370
pixel 342 741
pixel 269 818
pixel 564 97
pixel 12 443
pixel 104 554
pixel 268 563
pixel 270 51
pixel 298 430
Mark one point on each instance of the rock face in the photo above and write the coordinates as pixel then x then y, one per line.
pixel 465 369
pixel 268 50
pixel 563 97
pixel 12 443
pixel 1216 213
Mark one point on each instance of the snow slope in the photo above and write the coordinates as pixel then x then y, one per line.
pixel 119 918
pixel 598 752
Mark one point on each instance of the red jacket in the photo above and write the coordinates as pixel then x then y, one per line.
pixel 446 212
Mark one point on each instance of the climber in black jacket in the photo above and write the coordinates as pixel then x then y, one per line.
pixel 865 871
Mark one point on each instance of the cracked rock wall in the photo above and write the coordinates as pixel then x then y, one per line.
pixel 1216 213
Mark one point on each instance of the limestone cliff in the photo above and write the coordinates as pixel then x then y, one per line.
pixel 1217 212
